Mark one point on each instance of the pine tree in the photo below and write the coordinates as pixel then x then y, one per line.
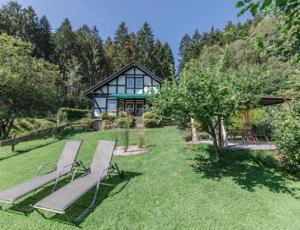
pixel 121 51
pixel 24 24
pixel 145 46
pixel 98 57
pixel 168 64
pixel 132 47
pixel 66 49
pixel 45 44
pixel 108 55
pixel 184 51
pixel 196 45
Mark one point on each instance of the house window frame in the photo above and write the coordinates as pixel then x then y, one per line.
pixel 142 82
pixel 108 105
pixel 133 82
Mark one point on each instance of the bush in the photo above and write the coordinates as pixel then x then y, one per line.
pixel 62 117
pixel 150 120
pixel 287 135
pixel 141 136
pixel 124 134
pixel 87 123
pixel 151 123
pixel 106 117
pixel 122 122
pixel 74 114
pixel 149 115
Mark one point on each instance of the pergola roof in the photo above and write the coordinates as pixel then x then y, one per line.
pixel 271 100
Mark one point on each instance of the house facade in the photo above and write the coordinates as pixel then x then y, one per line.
pixel 128 90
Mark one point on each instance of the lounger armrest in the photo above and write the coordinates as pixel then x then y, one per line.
pixel 102 172
pixel 82 164
pixel 41 166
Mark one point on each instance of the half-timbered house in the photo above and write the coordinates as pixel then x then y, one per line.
pixel 129 90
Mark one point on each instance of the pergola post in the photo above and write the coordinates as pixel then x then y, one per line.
pixel 194 131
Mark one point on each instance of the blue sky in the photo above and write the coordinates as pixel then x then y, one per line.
pixel 169 19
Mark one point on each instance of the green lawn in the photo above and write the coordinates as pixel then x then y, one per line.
pixel 173 186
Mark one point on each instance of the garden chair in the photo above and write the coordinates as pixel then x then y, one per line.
pixel 60 200
pixel 64 166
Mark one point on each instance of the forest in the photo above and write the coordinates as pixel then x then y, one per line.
pixel 82 56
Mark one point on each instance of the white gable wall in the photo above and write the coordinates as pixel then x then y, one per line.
pixel 119 86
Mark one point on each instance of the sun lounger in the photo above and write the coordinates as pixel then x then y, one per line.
pixel 64 197
pixel 63 167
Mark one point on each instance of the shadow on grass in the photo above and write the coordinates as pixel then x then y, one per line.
pixel 64 135
pixel 105 190
pixel 248 169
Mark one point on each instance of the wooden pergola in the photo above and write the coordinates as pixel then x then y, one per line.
pixel 265 100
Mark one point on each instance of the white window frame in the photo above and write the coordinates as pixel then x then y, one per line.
pixel 111 107
pixel 127 81
pixel 141 80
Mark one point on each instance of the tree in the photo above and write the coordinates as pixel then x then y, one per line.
pixel 27 85
pixel 91 55
pixel 290 9
pixel 66 48
pixel 46 47
pixel 145 46
pixel 203 93
pixel 121 48
pixel 287 134
pixel 184 49
pixel 23 23
pixel 108 52
pixel 168 64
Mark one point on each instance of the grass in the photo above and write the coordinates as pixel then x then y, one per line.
pixel 174 186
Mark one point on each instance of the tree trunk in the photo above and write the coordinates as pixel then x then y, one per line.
pixel 5 127
pixel 212 132
pixel 221 132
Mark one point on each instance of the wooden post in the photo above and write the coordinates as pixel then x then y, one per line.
pixel 194 131
pixel 223 132
pixel 13 145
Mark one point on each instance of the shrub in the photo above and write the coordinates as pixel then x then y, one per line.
pixel 141 137
pixel 151 123
pixel 87 123
pixel 150 120
pixel 149 115
pixel 287 135
pixel 122 114
pixel 121 122
pixel 106 117
pixel 124 134
pixel 74 114
pixel 62 117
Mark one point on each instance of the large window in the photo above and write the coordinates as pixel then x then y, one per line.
pixel 111 105
pixel 130 82
pixel 139 83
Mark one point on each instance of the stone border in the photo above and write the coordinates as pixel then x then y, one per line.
pixel 132 150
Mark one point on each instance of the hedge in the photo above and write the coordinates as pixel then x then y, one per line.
pixel 75 114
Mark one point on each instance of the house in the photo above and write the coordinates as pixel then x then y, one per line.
pixel 128 90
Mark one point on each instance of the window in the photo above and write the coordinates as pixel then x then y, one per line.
pixel 111 105
pixel 139 83
pixel 130 82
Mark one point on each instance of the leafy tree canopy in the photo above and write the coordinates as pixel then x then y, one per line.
pixel 27 85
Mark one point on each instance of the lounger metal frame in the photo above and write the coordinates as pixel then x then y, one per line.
pixel 113 168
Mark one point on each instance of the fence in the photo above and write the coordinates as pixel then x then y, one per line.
pixel 35 135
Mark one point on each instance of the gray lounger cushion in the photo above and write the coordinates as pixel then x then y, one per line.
pixel 61 199
pixel 67 157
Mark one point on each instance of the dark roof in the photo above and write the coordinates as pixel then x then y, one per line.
pixel 120 72
pixel 272 100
